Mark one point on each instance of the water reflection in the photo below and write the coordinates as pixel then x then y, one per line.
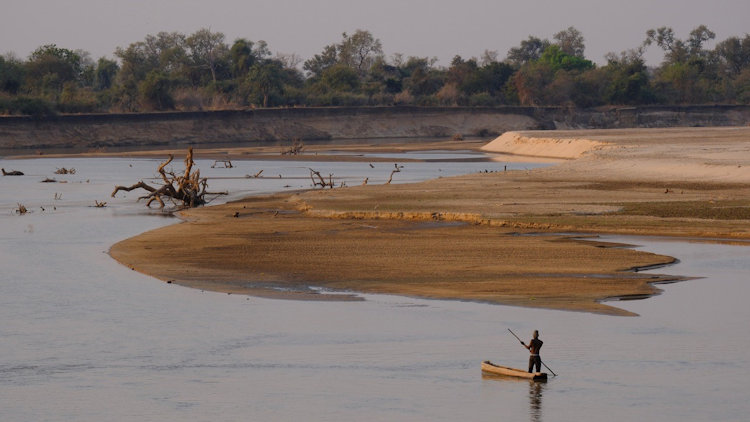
pixel 536 390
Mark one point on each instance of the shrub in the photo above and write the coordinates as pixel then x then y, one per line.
pixel 29 106
pixel 403 98
pixel 482 99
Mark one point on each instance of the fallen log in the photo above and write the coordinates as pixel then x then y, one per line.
pixel 185 190
pixel 12 173
pixel 321 181
pixel 397 169
pixel 295 149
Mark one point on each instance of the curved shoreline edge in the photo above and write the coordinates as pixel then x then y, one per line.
pixel 307 246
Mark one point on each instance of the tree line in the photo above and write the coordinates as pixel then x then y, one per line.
pixel 201 71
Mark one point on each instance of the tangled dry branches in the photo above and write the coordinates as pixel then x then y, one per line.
pixel 187 189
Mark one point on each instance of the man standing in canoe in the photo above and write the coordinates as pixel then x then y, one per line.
pixel 534 346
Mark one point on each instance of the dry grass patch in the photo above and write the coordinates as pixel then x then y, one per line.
pixel 713 210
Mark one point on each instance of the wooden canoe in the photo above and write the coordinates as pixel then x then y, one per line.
pixel 490 368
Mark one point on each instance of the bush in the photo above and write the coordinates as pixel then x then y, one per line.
pixel 382 99
pixel 188 99
pixel 155 92
pixel 29 106
pixel 427 101
pixel 482 99
pixel 78 106
pixel 403 98
pixel 743 87
pixel 449 95
pixel 337 99
pixel 78 101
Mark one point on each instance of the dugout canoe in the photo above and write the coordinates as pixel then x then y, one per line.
pixel 490 368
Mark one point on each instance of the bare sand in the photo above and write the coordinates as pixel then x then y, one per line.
pixel 711 155
pixel 487 237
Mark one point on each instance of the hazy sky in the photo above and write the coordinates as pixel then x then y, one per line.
pixel 427 28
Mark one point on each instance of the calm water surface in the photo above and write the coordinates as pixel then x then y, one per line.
pixel 85 339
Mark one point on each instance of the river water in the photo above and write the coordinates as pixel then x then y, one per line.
pixel 83 338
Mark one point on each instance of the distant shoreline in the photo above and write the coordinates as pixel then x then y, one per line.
pixel 277 126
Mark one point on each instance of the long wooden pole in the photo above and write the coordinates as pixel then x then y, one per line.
pixel 524 345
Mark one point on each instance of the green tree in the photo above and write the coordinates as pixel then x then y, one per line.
pixel 734 54
pixel 689 73
pixel 320 62
pixel 11 74
pixel 50 67
pixel 571 42
pixel 264 80
pixel 359 51
pixel 470 80
pixel 155 91
pixel 340 77
pixel 552 79
pixel 530 50
pixel 387 77
pixel 208 51
pixel 742 86
pixel 557 59
pixel 167 51
pixel 463 75
pixel 494 76
pixel 531 81
pixel 628 77
pixel 164 52
pixel 698 37
pixel 590 87
pixel 105 74
pixel 161 58
pixel 421 78
pixel 241 57
pixel 677 50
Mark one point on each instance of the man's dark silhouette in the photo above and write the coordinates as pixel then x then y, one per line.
pixel 534 346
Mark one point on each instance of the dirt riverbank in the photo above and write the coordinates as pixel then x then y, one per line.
pixel 279 126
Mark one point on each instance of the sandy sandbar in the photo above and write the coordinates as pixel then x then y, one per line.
pixel 486 237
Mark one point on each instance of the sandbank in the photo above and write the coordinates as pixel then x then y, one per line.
pixel 491 237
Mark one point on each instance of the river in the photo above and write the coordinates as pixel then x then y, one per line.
pixel 86 339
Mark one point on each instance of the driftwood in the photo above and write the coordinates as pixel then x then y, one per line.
pixel 321 181
pixel 396 170
pixel 12 173
pixel 187 189
pixel 227 164
pixel 295 149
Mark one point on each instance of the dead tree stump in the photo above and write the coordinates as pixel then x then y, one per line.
pixel 185 190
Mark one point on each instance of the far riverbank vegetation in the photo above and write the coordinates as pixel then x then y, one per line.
pixel 202 71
